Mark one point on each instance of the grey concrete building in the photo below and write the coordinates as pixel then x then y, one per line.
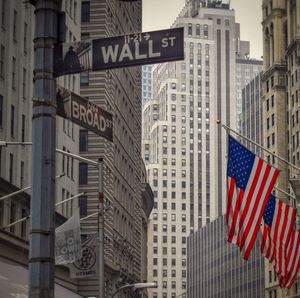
pixel 183 147
pixel 251 116
pixel 147 83
pixel 246 70
pixel 127 199
pixel 16 89
pixel 215 268
pixel 280 95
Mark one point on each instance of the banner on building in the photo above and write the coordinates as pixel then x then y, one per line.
pixel 68 241
pixel 88 264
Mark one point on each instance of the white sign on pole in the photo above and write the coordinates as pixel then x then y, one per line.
pixel 87 265
pixel 68 241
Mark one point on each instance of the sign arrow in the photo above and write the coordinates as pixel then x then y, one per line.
pixel 146 36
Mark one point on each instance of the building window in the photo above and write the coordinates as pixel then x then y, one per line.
pixel 13 213
pixel 15 26
pixel 205 31
pixel 23 128
pixel 1 110
pixel 83 140
pixel 83 173
pixel 84 78
pixel 85 35
pixel 82 204
pixel 23 224
pixel 25 38
pixel 11 165
pixel 12 120
pixel 13 73
pixel 273 138
pixel 24 82
pixel 190 30
pixel 2 62
pixel 3 16
pixel 22 175
pixel 197 30
pixel 85 11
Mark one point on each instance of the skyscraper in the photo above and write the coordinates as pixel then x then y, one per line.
pixel 251 116
pixel 119 92
pixel 147 83
pixel 216 269
pixel 16 68
pixel 183 147
pixel 246 70
pixel 16 89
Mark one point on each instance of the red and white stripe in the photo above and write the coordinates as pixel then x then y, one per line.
pixel 292 260
pixel 275 239
pixel 245 208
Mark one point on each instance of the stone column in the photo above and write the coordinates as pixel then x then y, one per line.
pixel 278 40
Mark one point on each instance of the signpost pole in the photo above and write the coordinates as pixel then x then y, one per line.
pixel 101 228
pixel 42 228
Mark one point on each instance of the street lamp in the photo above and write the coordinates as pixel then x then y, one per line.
pixel 137 286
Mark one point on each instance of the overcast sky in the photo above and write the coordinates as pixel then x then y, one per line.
pixel 160 14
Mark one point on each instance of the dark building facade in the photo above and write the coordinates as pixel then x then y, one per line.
pixel 251 116
pixel 216 269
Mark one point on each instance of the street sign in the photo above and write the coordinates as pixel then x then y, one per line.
pixel 84 113
pixel 120 51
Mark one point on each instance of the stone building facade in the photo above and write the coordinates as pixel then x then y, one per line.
pixel 280 96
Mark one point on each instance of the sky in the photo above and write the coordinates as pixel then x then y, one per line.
pixel 160 14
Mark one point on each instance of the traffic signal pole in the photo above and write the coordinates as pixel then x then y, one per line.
pixel 42 228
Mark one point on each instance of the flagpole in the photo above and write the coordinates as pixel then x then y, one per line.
pixel 258 145
pixel 286 193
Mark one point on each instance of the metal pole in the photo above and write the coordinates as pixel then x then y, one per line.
pixel 88 216
pixel 22 190
pixel 260 146
pixel 69 199
pixel 101 228
pixel 28 217
pixel 89 161
pixel 120 289
pixel 42 228
pixel 14 193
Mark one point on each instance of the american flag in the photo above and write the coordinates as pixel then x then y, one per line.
pixel 292 260
pixel 250 181
pixel 278 224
